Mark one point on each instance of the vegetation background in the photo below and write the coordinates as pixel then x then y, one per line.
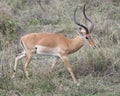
pixel 97 71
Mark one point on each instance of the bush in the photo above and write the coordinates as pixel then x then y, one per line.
pixel 7 24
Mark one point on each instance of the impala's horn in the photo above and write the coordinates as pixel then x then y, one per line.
pixel 92 24
pixel 79 24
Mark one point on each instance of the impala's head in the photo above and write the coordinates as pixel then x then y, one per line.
pixel 84 32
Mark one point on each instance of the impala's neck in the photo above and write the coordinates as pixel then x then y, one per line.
pixel 76 44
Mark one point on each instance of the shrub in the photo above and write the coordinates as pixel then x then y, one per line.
pixel 7 24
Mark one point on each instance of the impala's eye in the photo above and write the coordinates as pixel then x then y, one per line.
pixel 87 37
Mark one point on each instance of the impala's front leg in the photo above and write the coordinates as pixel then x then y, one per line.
pixel 65 61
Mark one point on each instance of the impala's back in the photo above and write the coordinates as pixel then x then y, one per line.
pixel 44 41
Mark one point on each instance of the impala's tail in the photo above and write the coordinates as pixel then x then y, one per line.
pixel 23 45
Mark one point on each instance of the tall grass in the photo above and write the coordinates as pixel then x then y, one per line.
pixel 97 70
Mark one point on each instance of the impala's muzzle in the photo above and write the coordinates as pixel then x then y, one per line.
pixel 92 44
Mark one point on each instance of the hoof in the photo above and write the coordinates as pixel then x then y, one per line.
pixel 12 77
pixel 78 84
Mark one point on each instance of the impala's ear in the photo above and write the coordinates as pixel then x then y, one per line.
pixel 80 28
pixel 81 33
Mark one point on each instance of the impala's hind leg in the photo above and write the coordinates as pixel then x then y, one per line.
pixel 16 63
pixel 28 58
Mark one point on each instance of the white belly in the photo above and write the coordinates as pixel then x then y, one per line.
pixel 47 51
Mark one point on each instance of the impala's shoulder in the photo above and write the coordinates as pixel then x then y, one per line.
pixel 53 35
pixel 60 35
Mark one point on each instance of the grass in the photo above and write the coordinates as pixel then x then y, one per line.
pixel 97 70
pixel 100 80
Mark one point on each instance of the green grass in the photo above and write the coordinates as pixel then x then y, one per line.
pixel 97 70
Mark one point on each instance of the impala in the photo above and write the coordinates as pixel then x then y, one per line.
pixel 56 45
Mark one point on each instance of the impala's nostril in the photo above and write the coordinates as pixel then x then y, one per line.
pixel 94 47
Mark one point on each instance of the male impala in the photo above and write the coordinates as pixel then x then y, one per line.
pixel 56 45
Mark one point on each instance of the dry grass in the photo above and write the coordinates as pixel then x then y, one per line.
pixel 97 71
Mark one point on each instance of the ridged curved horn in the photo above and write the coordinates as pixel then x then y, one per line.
pixel 92 24
pixel 87 31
